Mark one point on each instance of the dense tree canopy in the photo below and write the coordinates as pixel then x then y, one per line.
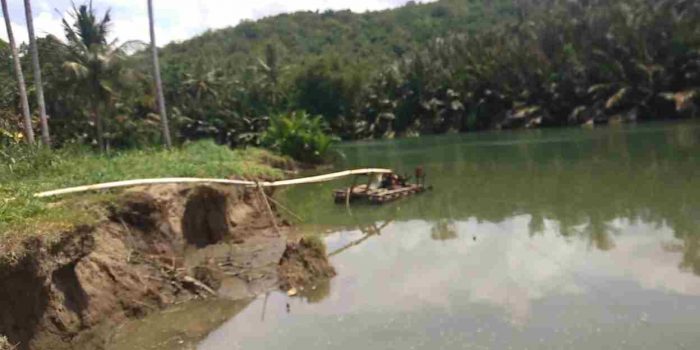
pixel 451 65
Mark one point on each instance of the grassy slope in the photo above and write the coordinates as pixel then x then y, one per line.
pixel 22 215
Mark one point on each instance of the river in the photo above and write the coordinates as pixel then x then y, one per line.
pixel 543 239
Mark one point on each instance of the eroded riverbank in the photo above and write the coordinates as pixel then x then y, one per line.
pixel 160 246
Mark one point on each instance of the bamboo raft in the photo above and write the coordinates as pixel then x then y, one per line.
pixel 376 196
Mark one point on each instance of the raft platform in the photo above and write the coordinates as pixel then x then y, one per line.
pixel 377 196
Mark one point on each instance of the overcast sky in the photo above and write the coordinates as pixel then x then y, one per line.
pixel 175 19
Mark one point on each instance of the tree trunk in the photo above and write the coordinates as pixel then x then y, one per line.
pixel 99 125
pixel 159 84
pixel 24 102
pixel 45 137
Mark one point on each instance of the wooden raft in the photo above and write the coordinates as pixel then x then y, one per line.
pixel 384 196
pixel 376 196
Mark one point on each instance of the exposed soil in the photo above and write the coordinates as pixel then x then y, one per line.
pixel 303 264
pixel 160 245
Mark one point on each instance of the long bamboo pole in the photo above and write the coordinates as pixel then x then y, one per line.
pixel 141 182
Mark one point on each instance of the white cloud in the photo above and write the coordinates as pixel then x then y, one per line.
pixel 177 20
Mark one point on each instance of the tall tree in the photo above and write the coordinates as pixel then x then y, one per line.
pixel 24 102
pixel 156 75
pixel 94 64
pixel 45 136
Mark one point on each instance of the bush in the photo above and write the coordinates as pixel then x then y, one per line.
pixel 299 136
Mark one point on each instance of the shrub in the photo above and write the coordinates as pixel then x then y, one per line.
pixel 299 136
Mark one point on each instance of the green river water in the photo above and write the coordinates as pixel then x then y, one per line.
pixel 544 239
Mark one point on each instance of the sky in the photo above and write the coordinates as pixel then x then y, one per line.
pixel 176 20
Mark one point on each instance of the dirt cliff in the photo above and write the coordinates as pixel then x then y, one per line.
pixel 159 245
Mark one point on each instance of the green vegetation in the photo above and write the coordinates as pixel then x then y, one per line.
pixel 299 136
pixel 451 65
pixel 92 65
pixel 26 171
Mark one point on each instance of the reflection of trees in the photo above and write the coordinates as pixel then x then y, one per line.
pixel 691 254
pixel 443 230
pixel 536 225
pixel 690 250
pixel 581 179
pixel 599 235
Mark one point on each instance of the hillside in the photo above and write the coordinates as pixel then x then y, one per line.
pixel 446 66
pixel 373 37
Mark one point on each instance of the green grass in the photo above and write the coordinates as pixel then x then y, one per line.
pixel 25 171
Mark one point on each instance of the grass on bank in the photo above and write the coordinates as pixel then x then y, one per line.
pixel 25 171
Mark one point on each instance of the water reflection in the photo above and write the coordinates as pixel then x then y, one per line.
pixel 443 230
pixel 584 180
pixel 317 292
pixel 367 230
pixel 507 288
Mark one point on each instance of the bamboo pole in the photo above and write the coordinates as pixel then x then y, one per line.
pixel 326 177
pixel 140 182
pixel 175 180
pixel 269 209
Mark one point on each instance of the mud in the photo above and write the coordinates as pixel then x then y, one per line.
pixel 159 246
pixel 304 264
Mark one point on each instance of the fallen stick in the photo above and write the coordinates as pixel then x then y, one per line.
pixel 286 209
pixel 198 284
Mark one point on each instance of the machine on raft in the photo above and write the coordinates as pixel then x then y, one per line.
pixel 382 188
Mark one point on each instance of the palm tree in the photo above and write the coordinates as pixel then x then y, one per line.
pixel 27 118
pixel 159 84
pixel 271 70
pixel 94 64
pixel 45 137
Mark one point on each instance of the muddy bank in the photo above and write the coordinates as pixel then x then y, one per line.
pixel 304 263
pixel 159 246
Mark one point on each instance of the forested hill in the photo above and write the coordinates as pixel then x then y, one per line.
pixel 371 37
pixel 446 66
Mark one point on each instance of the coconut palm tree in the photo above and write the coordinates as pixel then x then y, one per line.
pixel 21 87
pixel 271 69
pixel 159 85
pixel 45 136
pixel 94 64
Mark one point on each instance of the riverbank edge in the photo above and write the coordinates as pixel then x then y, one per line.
pixel 63 293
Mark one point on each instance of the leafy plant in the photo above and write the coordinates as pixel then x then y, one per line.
pixel 299 136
